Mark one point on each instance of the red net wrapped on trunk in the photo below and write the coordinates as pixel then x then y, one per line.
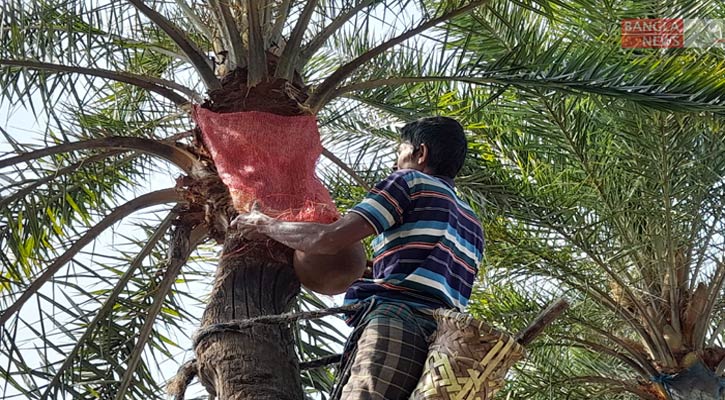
pixel 269 159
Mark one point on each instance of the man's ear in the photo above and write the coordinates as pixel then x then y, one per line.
pixel 423 155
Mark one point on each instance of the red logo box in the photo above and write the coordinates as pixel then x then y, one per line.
pixel 651 33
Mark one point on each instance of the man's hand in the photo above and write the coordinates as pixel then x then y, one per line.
pixel 251 225
pixel 308 237
pixel 328 257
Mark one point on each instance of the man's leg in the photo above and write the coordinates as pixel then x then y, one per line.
pixel 390 354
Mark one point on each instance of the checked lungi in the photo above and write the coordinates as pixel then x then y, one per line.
pixel 384 356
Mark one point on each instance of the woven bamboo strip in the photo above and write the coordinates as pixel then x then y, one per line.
pixel 467 360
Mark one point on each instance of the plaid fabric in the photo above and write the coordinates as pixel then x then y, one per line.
pixel 384 357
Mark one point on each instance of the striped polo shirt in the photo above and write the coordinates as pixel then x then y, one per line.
pixel 429 243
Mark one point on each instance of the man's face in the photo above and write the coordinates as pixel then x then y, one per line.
pixel 407 157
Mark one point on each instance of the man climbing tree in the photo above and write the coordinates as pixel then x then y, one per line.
pixel 426 255
pixel 600 169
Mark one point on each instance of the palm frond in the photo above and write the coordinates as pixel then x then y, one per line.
pixel 148 200
pixel 200 62
pixel 96 34
pixel 230 32
pixel 257 68
pixel 178 156
pixel 309 49
pixel 108 304
pixel 288 59
pixel 324 90
pixel 156 85
pixel 184 241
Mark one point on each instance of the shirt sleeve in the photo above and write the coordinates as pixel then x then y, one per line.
pixel 385 205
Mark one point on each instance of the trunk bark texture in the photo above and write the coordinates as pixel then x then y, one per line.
pixel 253 278
pixel 259 363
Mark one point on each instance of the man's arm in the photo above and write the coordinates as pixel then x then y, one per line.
pixel 328 257
pixel 309 237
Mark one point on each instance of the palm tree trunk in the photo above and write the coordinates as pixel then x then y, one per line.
pixel 259 363
pixel 253 278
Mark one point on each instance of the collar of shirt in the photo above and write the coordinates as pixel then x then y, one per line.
pixel 448 181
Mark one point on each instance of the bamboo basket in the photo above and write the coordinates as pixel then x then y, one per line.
pixel 467 359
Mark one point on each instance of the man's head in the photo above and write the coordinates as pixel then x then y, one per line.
pixel 434 145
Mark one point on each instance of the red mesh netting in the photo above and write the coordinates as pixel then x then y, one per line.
pixel 270 159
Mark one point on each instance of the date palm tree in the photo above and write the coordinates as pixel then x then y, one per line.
pixel 89 311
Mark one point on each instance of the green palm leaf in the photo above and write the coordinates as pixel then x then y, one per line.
pixel 597 171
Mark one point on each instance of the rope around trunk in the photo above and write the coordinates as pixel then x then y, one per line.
pixel 177 385
pixel 240 325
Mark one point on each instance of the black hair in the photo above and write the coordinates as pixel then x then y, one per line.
pixel 445 140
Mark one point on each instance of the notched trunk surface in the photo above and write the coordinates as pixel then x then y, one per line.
pixel 253 279
pixel 272 95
